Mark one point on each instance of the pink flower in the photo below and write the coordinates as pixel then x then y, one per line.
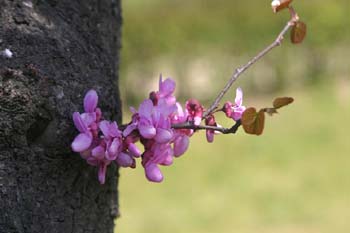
pixel 87 123
pixel 166 90
pixel 154 121
pixel 181 144
pixel 195 111
pixel 109 148
pixel 102 142
pixel 96 148
pixel 156 154
pixel 83 141
pixel 153 173
pixel 181 136
pixel 112 139
pixel 236 110
pixel 210 120
pixel 90 101
pixel 101 163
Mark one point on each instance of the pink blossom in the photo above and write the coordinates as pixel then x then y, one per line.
pixel 210 120
pixel 154 121
pixel 112 139
pixel 236 110
pixel 153 173
pixel 99 142
pixel 181 136
pixel 102 167
pixel 87 123
pixel 181 144
pixel 125 160
pixel 90 101
pixel 156 154
pixel 166 90
pixel 195 111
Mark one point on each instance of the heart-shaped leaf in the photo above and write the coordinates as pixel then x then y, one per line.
pixel 253 122
pixel 282 101
pixel 248 116
pixel 278 5
pixel 298 32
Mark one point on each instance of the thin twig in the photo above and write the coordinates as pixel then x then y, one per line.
pixel 242 69
pixel 189 125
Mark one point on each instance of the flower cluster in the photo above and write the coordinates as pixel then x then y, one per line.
pixel 101 142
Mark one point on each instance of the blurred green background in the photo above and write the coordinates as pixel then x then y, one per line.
pixel 293 179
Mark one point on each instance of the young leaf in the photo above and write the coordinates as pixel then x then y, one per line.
pixel 260 122
pixel 253 122
pixel 248 116
pixel 282 101
pixel 278 5
pixel 298 32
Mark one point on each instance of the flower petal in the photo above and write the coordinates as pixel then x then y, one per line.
pixel 98 114
pixel 165 108
pixel 181 116
pixel 113 149
pixel 134 151
pixel 146 109
pixel 163 135
pixel 147 130
pixel 239 96
pixel 81 142
pixel 167 87
pixel 167 159
pixel 197 120
pixel 90 101
pixel 79 123
pixel 181 145
pixel 129 129
pixel 98 152
pixel 210 135
pixel 88 118
pixel 124 160
pixel 238 112
pixel 104 127
pixel 102 169
pixel 153 173
pixel 114 130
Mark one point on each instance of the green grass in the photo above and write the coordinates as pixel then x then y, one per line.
pixel 294 179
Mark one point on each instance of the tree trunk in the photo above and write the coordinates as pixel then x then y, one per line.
pixel 61 49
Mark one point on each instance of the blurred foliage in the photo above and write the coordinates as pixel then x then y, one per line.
pixel 198 42
pixel 293 179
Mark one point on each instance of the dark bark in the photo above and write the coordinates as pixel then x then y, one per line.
pixel 62 48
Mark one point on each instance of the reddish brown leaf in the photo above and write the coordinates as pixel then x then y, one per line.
pixel 278 5
pixel 248 116
pixel 282 101
pixel 298 32
pixel 260 123
pixel 253 122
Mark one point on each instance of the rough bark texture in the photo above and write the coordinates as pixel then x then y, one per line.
pixel 62 48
